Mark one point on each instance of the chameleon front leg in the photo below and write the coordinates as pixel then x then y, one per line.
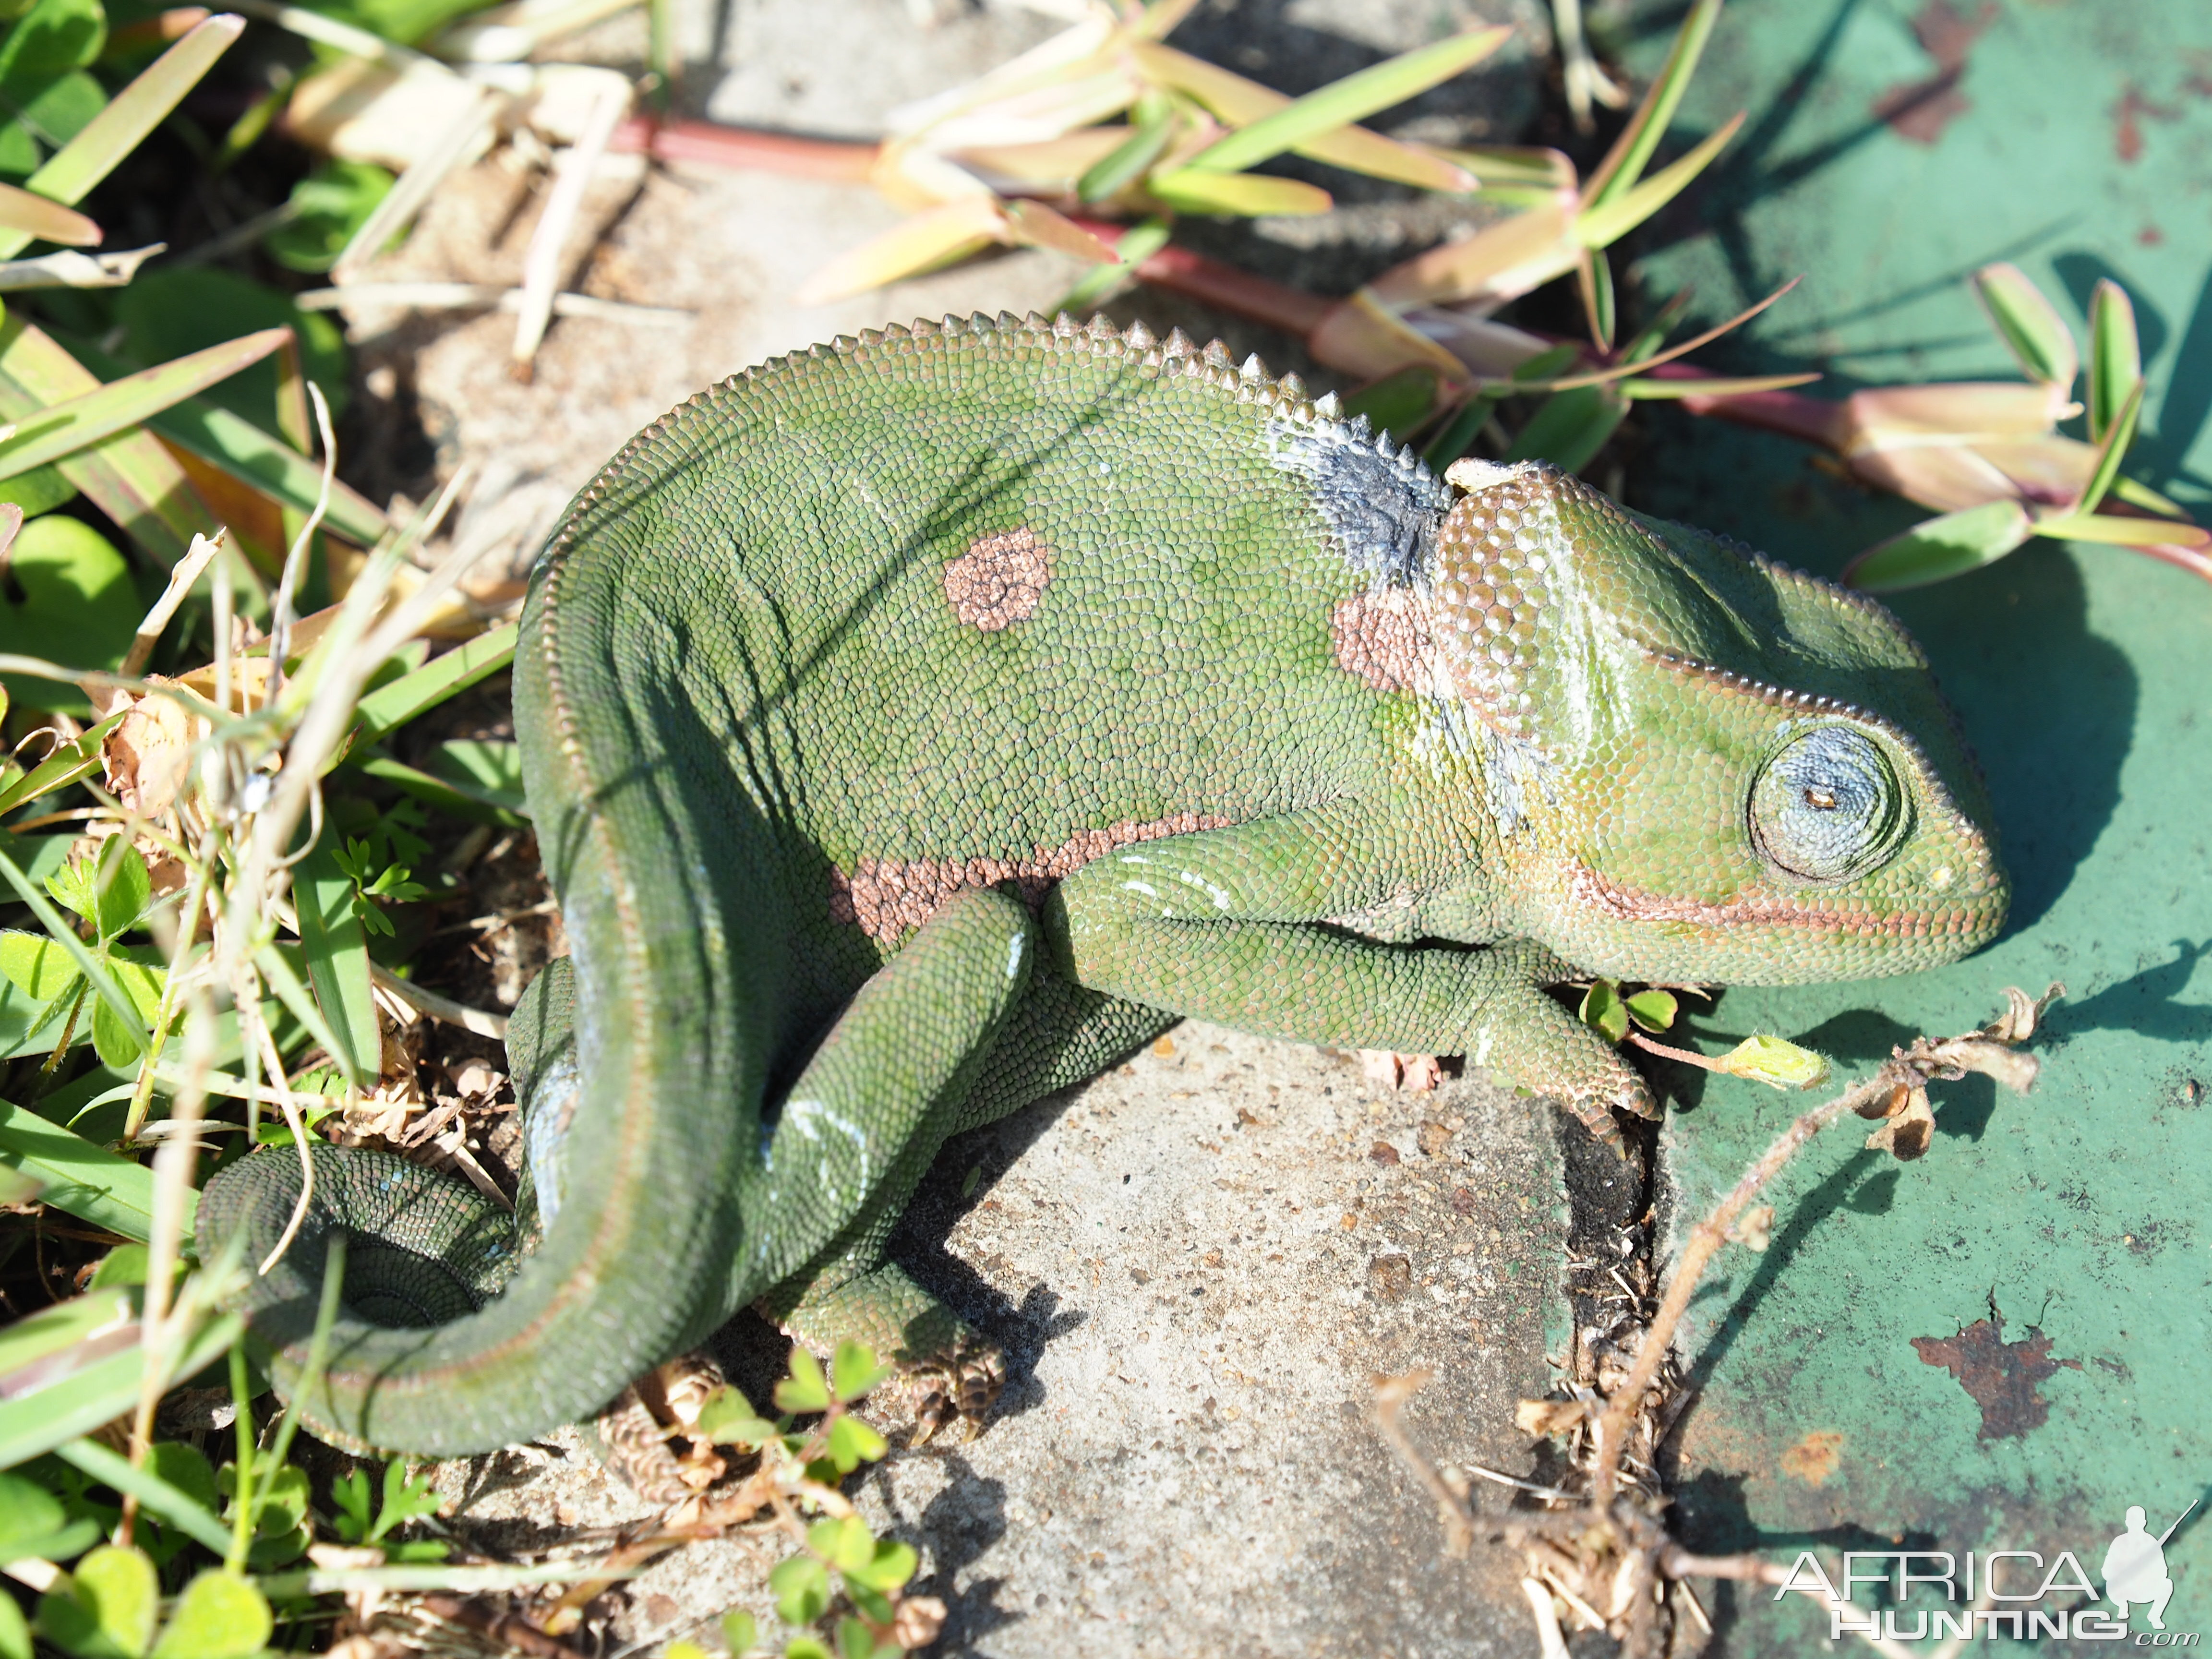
pixel 1220 924
pixel 858 1130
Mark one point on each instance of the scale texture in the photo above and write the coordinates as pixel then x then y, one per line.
pixel 914 726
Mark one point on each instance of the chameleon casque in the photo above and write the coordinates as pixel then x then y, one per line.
pixel 916 724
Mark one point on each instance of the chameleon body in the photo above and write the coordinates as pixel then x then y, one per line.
pixel 916 725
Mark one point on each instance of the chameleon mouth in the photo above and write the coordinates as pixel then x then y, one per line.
pixel 1591 891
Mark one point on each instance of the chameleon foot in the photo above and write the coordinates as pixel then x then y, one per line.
pixel 961 1386
pixel 644 1437
pixel 943 1371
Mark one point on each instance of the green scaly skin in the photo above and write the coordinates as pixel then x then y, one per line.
pixel 827 688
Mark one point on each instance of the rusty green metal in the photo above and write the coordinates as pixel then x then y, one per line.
pixel 2006 1343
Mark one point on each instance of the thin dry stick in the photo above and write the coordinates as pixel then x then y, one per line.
pixel 453 146
pixel 1391 1395
pixel 1705 1238
pixel 541 264
pixel 187 572
pixel 280 614
pixel 439 1008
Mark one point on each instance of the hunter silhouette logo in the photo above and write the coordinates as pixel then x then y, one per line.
pixel 2135 1567
pixel 2014 1594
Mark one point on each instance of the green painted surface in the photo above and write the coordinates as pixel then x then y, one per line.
pixel 2085 1209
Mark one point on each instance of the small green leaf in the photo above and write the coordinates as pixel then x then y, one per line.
pixel 121 887
pixel 802 1591
pixel 888 1569
pixel 221 1615
pixel 1603 1011
pixel 741 1631
pixel 2028 325
pixel 105 1609
pixel 1941 548
pixel 37 967
pixel 854 1370
pixel 807 1647
pixel 852 1442
pixel 1398 402
pixel 1771 1060
pixel 14 1630
pixel 804 1390
pixel 727 1419
pixel 335 948
pixel 1654 1010
pixel 969 1181
pixel 119 1043
pixel 406 1498
pixel 684 1650
pixel 329 205
pixel 843 1542
pixel 349 1492
pixel 2115 356
pixel 69 599
pixel 29 1513
pixel 856 1641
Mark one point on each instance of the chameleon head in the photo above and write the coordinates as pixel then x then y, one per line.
pixel 1704 766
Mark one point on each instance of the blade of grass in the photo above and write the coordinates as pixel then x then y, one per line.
pixel 319 1347
pixel 1239 102
pixel 185 1513
pixel 390 706
pixel 1602 225
pixel 62 429
pixel 1648 391
pixel 1126 162
pixel 336 947
pixel 38 1422
pixel 1569 428
pixel 452 796
pixel 40 220
pixel 71 170
pixel 2115 356
pixel 1354 98
pixel 1625 162
pixel 2031 329
pixel 78 758
pixel 129 475
pixel 2112 450
pixel 237 446
pixel 276 967
pixel 1242 195
pixel 89 1181
pixel 1652 360
pixel 2123 533
pixel 1134 246
pixel 1459 434
pixel 1596 281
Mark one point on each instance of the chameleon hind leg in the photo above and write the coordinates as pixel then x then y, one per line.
pixel 1057 1035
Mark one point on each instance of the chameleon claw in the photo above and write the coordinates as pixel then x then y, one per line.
pixel 958 1387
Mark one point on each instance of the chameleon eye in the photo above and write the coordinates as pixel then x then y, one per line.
pixel 1829 806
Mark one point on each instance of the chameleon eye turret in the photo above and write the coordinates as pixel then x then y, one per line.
pixel 1829 806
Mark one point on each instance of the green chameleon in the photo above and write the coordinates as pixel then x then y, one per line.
pixel 916 725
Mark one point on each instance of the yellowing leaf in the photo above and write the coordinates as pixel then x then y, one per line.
pixel 935 237
pixel 41 219
pixel 1771 1060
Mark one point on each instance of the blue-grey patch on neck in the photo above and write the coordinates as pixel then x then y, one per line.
pixel 545 1119
pixel 1382 504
